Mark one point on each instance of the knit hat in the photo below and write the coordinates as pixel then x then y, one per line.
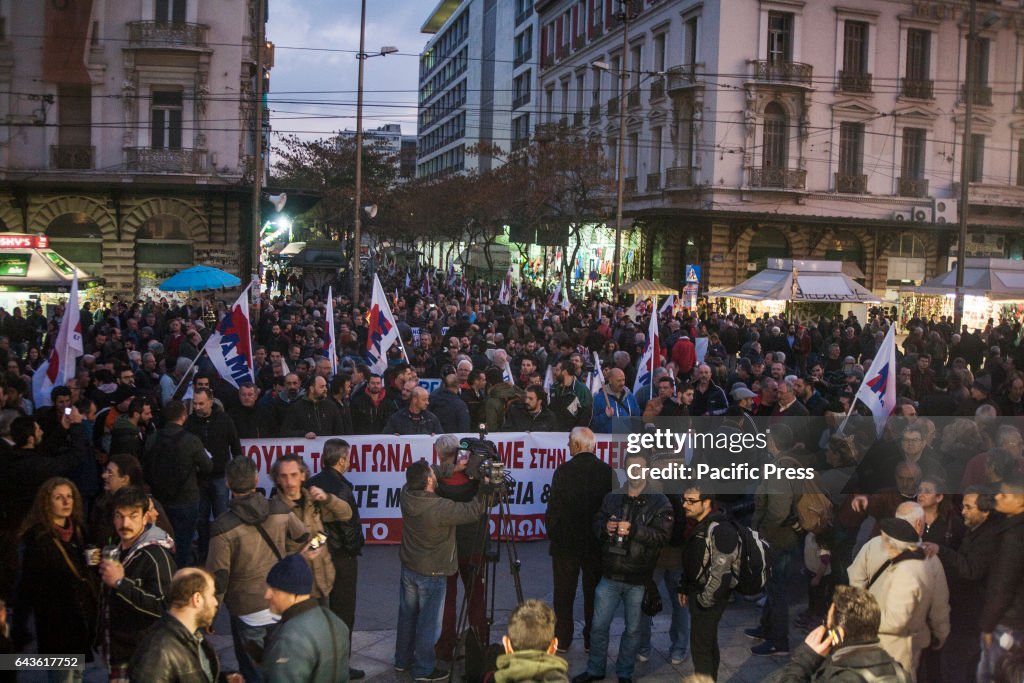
pixel 900 530
pixel 291 575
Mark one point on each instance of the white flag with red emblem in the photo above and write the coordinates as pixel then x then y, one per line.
pixel 59 367
pixel 329 340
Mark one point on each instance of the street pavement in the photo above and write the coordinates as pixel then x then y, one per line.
pixel 373 644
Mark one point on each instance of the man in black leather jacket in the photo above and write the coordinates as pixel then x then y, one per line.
pixel 633 527
pixel 170 650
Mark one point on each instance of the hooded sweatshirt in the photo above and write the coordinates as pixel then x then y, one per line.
pixel 531 665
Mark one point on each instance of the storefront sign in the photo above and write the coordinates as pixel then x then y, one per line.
pixel 14 265
pixel 378 463
pixel 24 242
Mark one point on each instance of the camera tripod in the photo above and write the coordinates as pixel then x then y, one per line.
pixel 469 657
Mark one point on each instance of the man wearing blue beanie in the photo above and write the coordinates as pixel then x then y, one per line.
pixel 311 644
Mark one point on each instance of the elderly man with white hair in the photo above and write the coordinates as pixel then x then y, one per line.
pixel 910 587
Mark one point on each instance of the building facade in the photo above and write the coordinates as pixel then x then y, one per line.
pixel 784 128
pixel 476 76
pixel 128 133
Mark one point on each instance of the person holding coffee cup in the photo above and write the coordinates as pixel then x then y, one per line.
pixel 57 585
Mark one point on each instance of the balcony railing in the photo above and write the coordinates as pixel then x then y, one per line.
pixel 147 160
pixel 918 89
pixel 796 73
pixel 783 178
pixel 653 182
pixel 629 185
pixel 681 78
pixel 521 100
pixel 577 119
pixel 72 157
pixel 913 187
pixel 658 88
pixel 633 98
pixel 166 35
pixel 613 106
pixel 679 176
pixel 854 82
pixel 851 184
pixel 595 113
pixel 522 58
pixel 982 95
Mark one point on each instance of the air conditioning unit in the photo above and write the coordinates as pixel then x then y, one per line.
pixel 903 216
pixel 945 211
pixel 922 215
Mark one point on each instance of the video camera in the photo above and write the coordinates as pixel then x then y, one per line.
pixel 482 460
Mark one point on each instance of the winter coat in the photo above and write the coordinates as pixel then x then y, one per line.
pixel 624 406
pixel 807 665
pixel 125 437
pixel 253 423
pixel 499 398
pixel 967 569
pixel 24 470
pixel 346 538
pixel 650 518
pixel 319 417
pixel 239 557
pixel 168 653
pixel 313 515
pixel 707 567
pixel 521 420
pixel 573 406
pixel 578 488
pixel 405 423
pixel 773 513
pixel 451 411
pixel 219 437
pixel 311 645
pixel 189 457
pixel 428 531
pixel 63 600
pixel 710 402
pixel 141 597
pixel 456 486
pixel 531 665
pixel 1004 599
pixel 914 598
pixel 368 417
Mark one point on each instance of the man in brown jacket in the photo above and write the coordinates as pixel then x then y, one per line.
pixel 245 542
pixel 313 506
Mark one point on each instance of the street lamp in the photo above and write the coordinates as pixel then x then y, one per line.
pixel 357 223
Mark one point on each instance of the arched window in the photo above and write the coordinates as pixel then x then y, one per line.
pixel 907 261
pixel 79 240
pixel 162 248
pixel 775 152
pixel 767 243
pixel 843 245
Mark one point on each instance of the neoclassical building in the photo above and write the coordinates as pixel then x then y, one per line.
pixel 129 133
pixel 796 128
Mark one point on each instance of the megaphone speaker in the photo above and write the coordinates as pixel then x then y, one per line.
pixel 278 200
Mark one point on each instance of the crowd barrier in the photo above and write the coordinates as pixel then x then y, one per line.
pixel 378 462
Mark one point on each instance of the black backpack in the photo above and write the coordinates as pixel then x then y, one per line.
pixel 752 564
pixel 864 673
pixel 162 470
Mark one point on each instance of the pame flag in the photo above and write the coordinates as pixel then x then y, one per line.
pixel 230 345
pixel 59 367
pixel 878 391
pixel 382 330
pixel 651 358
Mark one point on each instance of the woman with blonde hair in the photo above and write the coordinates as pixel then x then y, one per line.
pixel 56 584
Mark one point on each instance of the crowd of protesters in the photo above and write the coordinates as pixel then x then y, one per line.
pixel 127 498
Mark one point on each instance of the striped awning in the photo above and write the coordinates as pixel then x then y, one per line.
pixel 643 288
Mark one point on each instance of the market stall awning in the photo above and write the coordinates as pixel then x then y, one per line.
pixel 474 257
pixel 645 288
pixel 815 282
pixel 995 278
pixel 27 264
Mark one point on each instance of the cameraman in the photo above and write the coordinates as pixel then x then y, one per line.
pixel 633 526
pixel 428 559
pixel 846 648
pixel 470 542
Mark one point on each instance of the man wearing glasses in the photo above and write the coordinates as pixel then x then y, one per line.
pixel 706 583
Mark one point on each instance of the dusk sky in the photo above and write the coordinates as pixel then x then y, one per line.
pixel 313 89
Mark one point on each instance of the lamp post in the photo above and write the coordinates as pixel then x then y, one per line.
pixel 257 175
pixel 357 222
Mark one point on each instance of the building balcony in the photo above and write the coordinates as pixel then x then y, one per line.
pixel 522 58
pixel 781 178
pixel 853 82
pixel 913 187
pixel 918 89
pixel 679 176
pixel 163 35
pixel 791 73
pixel 633 99
pixel 851 184
pixel 595 113
pixel 521 101
pixel 577 119
pixel 681 78
pixel 72 157
pixel 629 185
pixel 653 182
pixel 657 88
pixel 982 95
pixel 613 106
pixel 147 160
